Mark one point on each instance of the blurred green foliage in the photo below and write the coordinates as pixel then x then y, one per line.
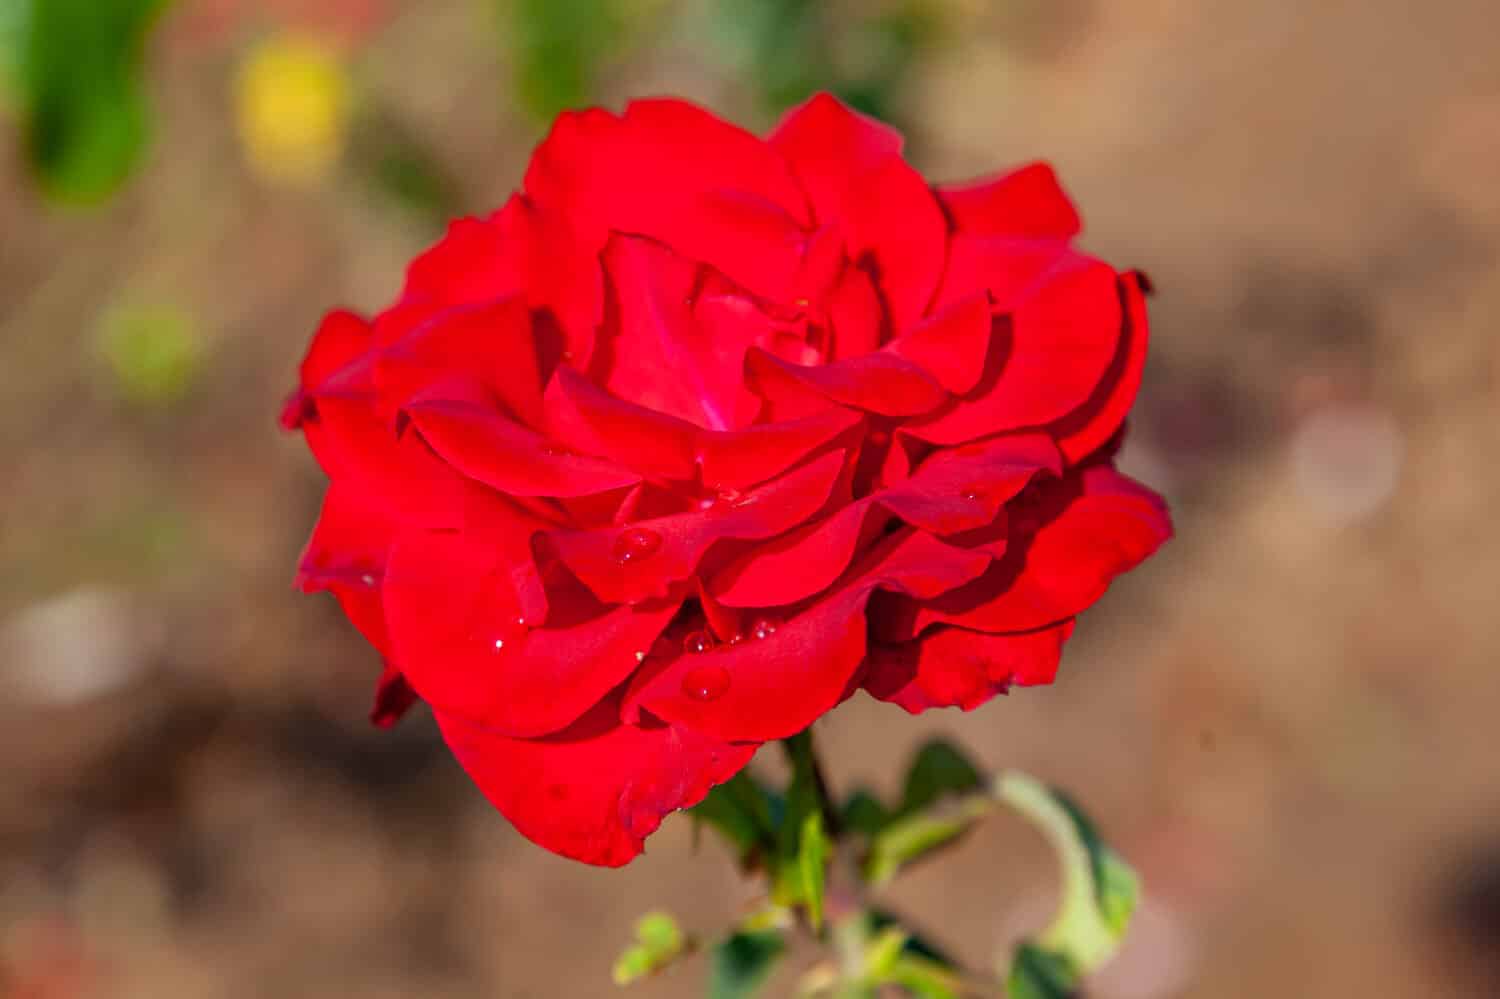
pixel 152 352
pixel 556 47
pixel 789 49
pixel 76 79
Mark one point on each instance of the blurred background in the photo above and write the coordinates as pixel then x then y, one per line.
pixel 1287 720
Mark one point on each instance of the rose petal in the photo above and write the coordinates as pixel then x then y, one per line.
pixel 341 338
pixel 962 491
pixel 738 459
pixel 1108 527
pixel 492 343
pixel 828 146
pixel 878 383
pixel 583 417
pixel 952 667
pixel 638 173
pixel 616 571
pixel 1010 269
pixel 459 631
pixel 484 445
pixel 895 222
pixel 393 698
pixel 657 332
pixel 773 687
pixel 398 474
pixel 1024 202
pixel 1060 346
pixel 595 791
pixel 951 345
pixel 1086 429
pixel 346 556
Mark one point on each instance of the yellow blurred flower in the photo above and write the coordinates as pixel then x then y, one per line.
pixel 292 104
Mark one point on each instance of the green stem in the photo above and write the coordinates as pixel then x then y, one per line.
pixel 807 771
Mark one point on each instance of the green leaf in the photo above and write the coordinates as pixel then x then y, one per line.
pixel 659 941
pixel 1099 891
pixel 743 962
pixel 907 840
pixel 1041 974
pixel 925 978
pixel 939 768
pixel 864 813
pixel 743 812
pixel 812 861
pixel 81 95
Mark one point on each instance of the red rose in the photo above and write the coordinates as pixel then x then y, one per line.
pixel 700 434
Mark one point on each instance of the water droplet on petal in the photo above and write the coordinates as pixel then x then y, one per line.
pixel 736 638
pixel 697 643
pixel 640 656
pixel 706 683
pixel 499 644
pixel 763 628
pixel 367 579
pixel 636 543
pixel 973 493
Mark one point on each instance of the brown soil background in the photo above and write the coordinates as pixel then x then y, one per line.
pixel 1287 720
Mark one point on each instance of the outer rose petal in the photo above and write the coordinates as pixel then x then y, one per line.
pixel 776 686
pixel 398 474
pixel 341 338
pixel 1085 430
pixel 829 146
pixel 595 791
pixel 1109 528
pixel 491 344
pixel 951 667
pixel 460 634
pixel 346 555
pixel 639 173
pixel 1061 345
pixel 393 698
pixel 1024 202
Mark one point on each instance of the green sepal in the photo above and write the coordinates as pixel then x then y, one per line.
pixel 659 942
pixel 742 963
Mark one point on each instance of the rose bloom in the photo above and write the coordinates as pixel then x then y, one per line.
pixel 699 435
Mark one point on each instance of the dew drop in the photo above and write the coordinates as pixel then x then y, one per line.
pixel 640 657
pixel 499 644
pixel 697 643
pixel 763 628
pixel 736 638
pixel 636 543
pixel 367 579
pixel 973 494
pixel 706 683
